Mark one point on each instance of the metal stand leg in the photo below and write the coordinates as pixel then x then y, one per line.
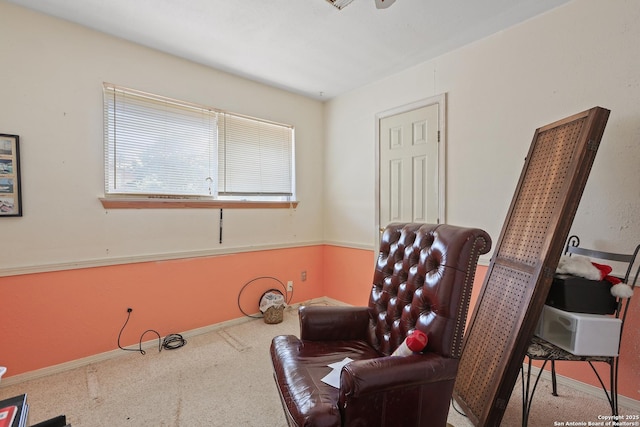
pixel 612 396
pixel 614 386
pixel 554 382
pixel 527 399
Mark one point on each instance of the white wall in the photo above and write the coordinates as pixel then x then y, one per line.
pixel 499 90
pixel 51 96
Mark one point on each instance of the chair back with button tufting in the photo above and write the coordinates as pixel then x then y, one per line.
pixel 416 285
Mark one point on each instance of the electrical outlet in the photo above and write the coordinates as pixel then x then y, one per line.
pixel 303 275
pixel 290 285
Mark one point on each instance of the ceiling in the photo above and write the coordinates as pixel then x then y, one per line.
pixel 304 46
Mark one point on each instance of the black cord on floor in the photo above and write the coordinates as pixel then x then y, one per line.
pixel 453 404
pixel 120 335
pixel 171 342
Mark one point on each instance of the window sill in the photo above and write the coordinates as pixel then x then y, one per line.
pixel 146 203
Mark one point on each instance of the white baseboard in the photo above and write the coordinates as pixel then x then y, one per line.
pixel 589 389
pixel 100 357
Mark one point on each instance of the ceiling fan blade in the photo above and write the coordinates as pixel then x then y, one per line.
pixel 383 4
pixel 339 3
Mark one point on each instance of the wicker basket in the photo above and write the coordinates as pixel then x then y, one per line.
pixel 273 315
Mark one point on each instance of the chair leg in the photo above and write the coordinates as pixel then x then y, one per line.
pixel 525 409
pixel 613 381
pixel 612 395
pixel 527 399
pixel 554 382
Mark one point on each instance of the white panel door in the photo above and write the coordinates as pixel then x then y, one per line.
pixel 409 166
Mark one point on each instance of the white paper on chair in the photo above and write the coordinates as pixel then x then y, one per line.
pixel 333 377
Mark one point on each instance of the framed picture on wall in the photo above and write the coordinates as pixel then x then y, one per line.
pixel 10 189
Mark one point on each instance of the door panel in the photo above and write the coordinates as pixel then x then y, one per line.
pixel 409 187
pixel 419 188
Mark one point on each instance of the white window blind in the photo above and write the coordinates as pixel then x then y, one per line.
pixel 255 158
pixel 160 146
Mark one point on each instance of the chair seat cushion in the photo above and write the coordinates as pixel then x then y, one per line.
pixel 306 399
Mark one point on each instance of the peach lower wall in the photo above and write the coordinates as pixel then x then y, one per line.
pixel 348 274
pixel 56 317
pixel 51 318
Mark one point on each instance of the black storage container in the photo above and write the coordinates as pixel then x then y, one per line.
pixel 580 295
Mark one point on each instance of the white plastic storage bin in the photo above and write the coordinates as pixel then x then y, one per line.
pixel 580 333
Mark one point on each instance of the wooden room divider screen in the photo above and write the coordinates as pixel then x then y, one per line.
pixel 524 262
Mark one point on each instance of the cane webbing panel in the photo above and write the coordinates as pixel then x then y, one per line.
pixel 506 296
pixel 521 270
pixel 524 237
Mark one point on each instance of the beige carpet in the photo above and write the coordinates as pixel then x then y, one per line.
pixel 221 378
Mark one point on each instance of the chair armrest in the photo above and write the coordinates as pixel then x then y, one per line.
pixel 362 377
pixel 333 323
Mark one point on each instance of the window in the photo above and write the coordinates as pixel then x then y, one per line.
pixel 164 148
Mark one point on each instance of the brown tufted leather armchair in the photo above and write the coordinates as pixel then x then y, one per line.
pixel 423 280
